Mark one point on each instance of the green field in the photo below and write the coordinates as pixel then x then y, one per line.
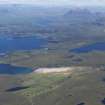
pixel 85 85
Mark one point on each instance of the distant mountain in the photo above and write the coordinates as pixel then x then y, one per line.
pixel 84 12
pixel 82 15
pixel 78 11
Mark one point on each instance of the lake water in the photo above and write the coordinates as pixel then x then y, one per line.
pixel 99 46
pixel 10 44
pixel 12 70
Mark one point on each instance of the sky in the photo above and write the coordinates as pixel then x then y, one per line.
pixel 56 2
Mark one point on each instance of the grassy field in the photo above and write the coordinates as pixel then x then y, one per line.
pixel 35 59
pixel 85 84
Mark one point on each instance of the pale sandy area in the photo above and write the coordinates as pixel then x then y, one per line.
pixel 60 69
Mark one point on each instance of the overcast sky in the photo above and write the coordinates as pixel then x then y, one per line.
pixel 57 2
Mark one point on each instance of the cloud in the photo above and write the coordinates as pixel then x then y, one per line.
pixel 57 2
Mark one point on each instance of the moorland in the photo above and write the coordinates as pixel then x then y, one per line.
pixel 33 37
